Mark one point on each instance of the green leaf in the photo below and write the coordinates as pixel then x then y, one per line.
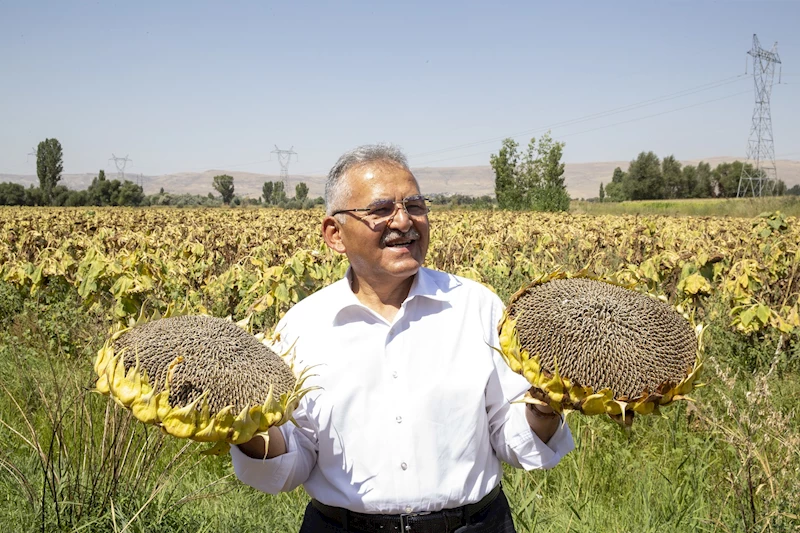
pixel 747 316
pixel 282 293
pixel 696 284
pixel 763 312
pixel 121 286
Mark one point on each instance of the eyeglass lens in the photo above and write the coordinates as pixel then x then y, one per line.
pixel 415 207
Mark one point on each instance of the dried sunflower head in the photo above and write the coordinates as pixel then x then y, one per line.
pixel 595 347
pixel 198 377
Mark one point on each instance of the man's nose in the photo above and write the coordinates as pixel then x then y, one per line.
pixel 400 220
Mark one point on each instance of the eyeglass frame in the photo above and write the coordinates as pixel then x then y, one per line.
pixel 394 211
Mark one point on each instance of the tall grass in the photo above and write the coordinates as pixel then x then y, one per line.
pixel 77 461
pixel 728 463
pixel 717 207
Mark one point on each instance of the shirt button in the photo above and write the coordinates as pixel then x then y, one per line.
pixel 404 467
pixel 398 419
pixel 394 374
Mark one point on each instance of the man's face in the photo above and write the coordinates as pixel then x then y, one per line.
pixel 388 251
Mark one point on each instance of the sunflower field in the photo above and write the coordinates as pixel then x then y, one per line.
pixel 72 461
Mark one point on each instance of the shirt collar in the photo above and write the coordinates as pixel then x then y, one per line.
pixel 425 285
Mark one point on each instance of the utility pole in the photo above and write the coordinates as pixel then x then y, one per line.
pixel 760 146
pixel 120 163
pixel 284 157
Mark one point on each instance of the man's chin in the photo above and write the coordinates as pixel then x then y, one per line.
pixel 405 269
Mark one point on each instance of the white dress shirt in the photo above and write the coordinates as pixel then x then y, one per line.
pixel 412 414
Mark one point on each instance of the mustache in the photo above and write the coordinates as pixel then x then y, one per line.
pixel 392 235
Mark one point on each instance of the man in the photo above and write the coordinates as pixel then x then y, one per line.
pixel 414 413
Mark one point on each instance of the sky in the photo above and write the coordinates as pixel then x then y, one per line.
pixel 191 86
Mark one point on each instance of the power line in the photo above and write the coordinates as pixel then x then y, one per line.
pixel 629 107
pixel 483 152
pixel 602 114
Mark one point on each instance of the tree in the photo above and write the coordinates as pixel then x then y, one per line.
pixel 536 182
pixel 101 190
pixel 223 184
pixel 725 178
pixel 278 193
pixel 49 165
pixel 35 196
pixel 602 194
pixel 615 191
pixel 129 193
pixel 673 178
pixel 59 195
pixel 548 192
pixel 12 194
pixel 76 198
pixel 504 165
pixel 266 192
pixel 688 181
pixel 644 180
pixel 300 192
pixel 702 186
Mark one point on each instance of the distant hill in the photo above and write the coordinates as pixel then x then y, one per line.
pixel 582 179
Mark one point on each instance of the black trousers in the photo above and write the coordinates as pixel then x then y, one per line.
pixel 496 518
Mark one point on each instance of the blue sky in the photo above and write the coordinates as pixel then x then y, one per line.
pixel 190 86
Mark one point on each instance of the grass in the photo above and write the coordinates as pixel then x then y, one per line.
pixel 70 460
pixel 716 207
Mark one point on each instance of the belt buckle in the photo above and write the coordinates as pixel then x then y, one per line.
pixel 404 525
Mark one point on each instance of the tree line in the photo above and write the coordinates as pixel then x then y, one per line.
pixel 49 165
pixel 105 192
pixel 273 193
pixel 651 178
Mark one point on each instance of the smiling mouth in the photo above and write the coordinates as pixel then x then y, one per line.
pixel 400 239
pixel 398 244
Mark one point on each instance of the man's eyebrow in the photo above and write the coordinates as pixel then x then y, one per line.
pixel 392 200
pixel 379 201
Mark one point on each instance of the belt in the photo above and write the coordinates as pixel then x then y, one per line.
pixel 442 521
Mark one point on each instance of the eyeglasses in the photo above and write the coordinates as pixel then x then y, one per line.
pixel 383 210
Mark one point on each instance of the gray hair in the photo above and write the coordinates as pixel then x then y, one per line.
pixel 336 188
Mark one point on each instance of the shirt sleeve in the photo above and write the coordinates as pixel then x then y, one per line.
pixel 512 438
pixel 284 472
pixel 290 470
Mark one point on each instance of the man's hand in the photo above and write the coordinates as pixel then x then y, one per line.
pixel 542 419
pixel 265 446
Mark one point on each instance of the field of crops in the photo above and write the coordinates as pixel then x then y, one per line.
pixel 69 460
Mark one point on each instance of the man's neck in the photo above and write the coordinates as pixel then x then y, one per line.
pixel 383 298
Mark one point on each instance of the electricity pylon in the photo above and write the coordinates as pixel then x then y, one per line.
pixel 760 147
pixel 284 157
pixel 120 163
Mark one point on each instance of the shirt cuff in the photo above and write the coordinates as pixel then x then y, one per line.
pixel 266 475
pixel 531 451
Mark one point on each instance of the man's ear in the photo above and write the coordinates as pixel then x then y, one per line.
pixel 332 233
